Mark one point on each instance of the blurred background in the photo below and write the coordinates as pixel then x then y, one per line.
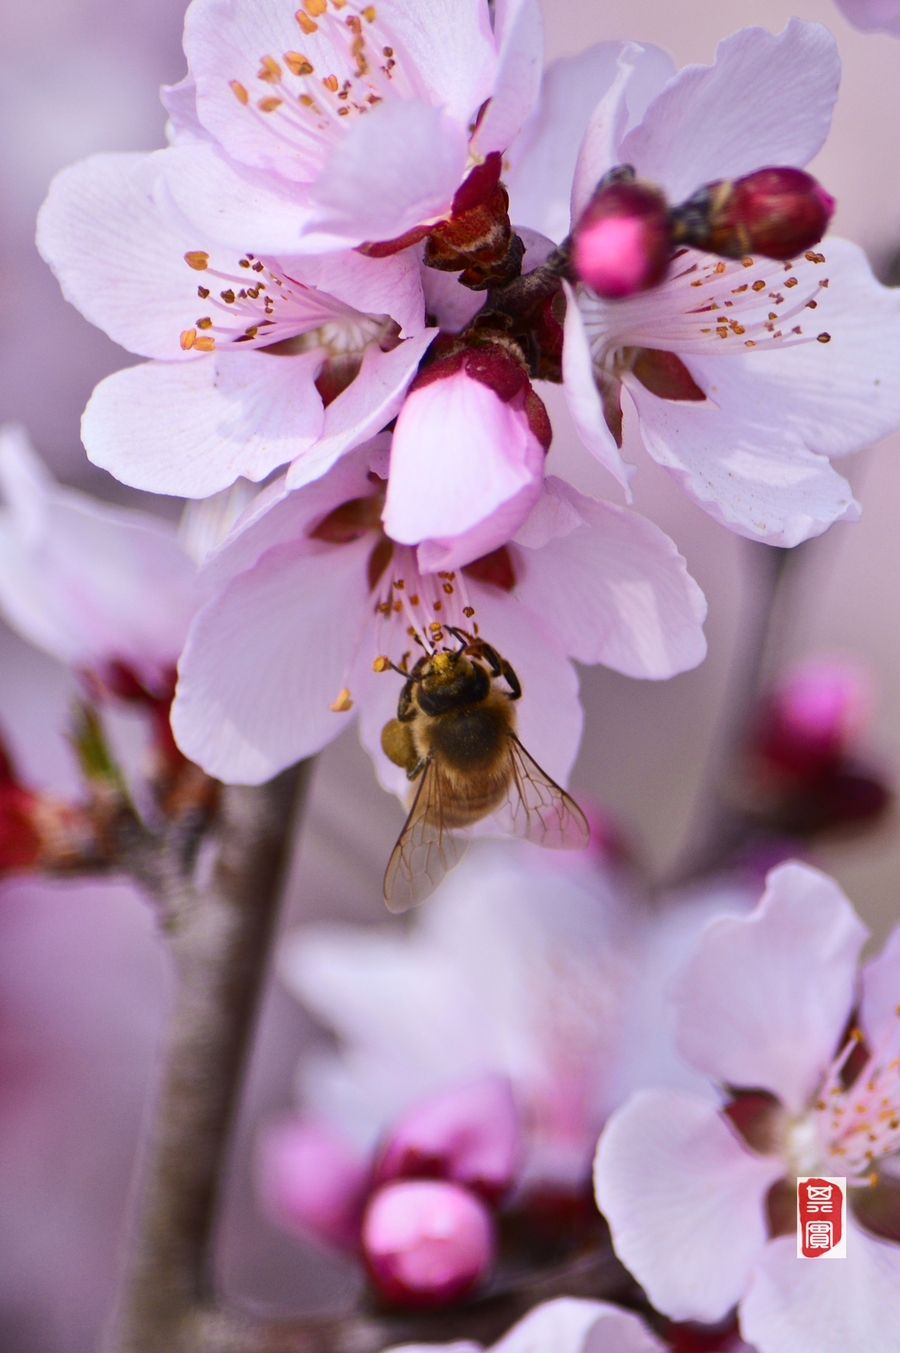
pixel 82 979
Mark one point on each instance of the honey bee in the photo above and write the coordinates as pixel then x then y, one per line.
pixel 455 732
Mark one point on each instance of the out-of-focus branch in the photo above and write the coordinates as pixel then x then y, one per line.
pixel 219 936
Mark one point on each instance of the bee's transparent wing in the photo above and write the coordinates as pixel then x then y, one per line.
pixel 425 849
pixel 537 809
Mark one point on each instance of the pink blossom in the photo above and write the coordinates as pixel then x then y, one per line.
pixel 319 128
pixel 719 367
pixel 258 359
pixel 310 590
pixel 98 588
pixel 872 16
pixel 312 1182
pixel 566 1325
pixel 763 1007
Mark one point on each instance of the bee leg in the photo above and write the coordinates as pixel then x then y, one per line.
pixel 415 771
pixel 501 668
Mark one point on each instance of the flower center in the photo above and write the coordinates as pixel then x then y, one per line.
pixel 262 305
pixel 859 1124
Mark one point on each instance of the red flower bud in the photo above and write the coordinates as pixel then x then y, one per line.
pixel 621 244
pixel 777 212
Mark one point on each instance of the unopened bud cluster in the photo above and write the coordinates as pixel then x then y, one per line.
pixel 626 236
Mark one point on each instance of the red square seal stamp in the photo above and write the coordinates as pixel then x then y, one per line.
pixel 821 1218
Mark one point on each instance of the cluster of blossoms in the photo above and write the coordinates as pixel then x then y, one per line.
pixel 378 233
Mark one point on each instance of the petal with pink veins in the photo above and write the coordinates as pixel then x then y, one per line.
pixel 763 1000
pixel 684 1201
pixel 373 286
pixel 446 49
pixel 486 536
pixel 517 79
pixel 765 101
pixel 801 1306
pixel 267 656
pixel 740 458
pixel 609 121
pixel 85 582
pixel 459 452
pixel 583 397
pixel 192 428
pixel 616 590
pixel 363 409
pixel 395 168
pixel 544 155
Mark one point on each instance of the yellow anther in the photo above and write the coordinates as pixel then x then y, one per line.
pixel 188 339
pixel 269 105
pixel 746 262
pixel 240 92
pixel 305 23
pixel 297 63
pixel 468 612
pixel 331 82
pixel 823 338
pixel 204 323
pixel 342 703
pixel 205 344
pixel 381 664
pixel 197 259
pixel 269 70
pixel 368 13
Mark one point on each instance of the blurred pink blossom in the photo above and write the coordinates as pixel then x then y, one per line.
pixel 566 1325
pixel 311 1181
pixel 872 16
pixel 764 1005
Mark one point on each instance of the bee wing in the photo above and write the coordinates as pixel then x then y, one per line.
pixel 425 849
pixel 537 809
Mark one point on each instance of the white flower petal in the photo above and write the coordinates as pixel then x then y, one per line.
pixel 880 1003
pixel 763 1000
pixel 616 590
pixel 810 1306
pixel 570 1325
pixel 192 428
pixel 583 397
pixel 765 101
pixel 266 657
pixel 684 1201
pixel 517 78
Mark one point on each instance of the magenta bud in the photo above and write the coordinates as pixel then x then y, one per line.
pixel 312 1182
pixel 814 716
pixel 776 212
pixel 426 1242
pixel 469 1134
pixel 622 244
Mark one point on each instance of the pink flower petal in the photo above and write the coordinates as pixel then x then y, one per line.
pixel 698 128
pixel 311 1181
pixel 872 16
pixel 488 535
pixel 250 699
pixel 363 409
pixel 763 1000
pixel 544 155
pixel 180 102
pixel 85 582
pixel 583 397
pixel 616 590
pixel 517 78
pixel 192 428
pixel 459 452
pixel 374 286
pixel 572 1325
pixel 801 1306
pixel 684 1200
pixel 881 992
pixel 394 168
pixel 599 150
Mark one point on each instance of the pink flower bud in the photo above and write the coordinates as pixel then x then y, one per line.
pixel 311 1182
pixel 621 243
pixel 813 716
pixel 426 1242
pixel 776 212
pixel 469 1134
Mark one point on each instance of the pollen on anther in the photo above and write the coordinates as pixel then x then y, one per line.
pixel 791 282
pixel 448 588
pixel 812 257
pixel 747 262
pixel 381 663
pixel 342 703
pixel 205 344
pixel 368 13
pixel 759 285
pixel 204 323
pixel 269 70
pixel 203 292
pixel 823 338
pixel 305 23
pixel 188 339
pixel 414 599
pixel 197 259
pixel 331 82
pixel 468 612
pixel 719 269
pixel 315 8
pixel 269 105
pixel 298 64
pixel 239 91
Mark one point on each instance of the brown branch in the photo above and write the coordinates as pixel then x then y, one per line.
pixel 219 938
